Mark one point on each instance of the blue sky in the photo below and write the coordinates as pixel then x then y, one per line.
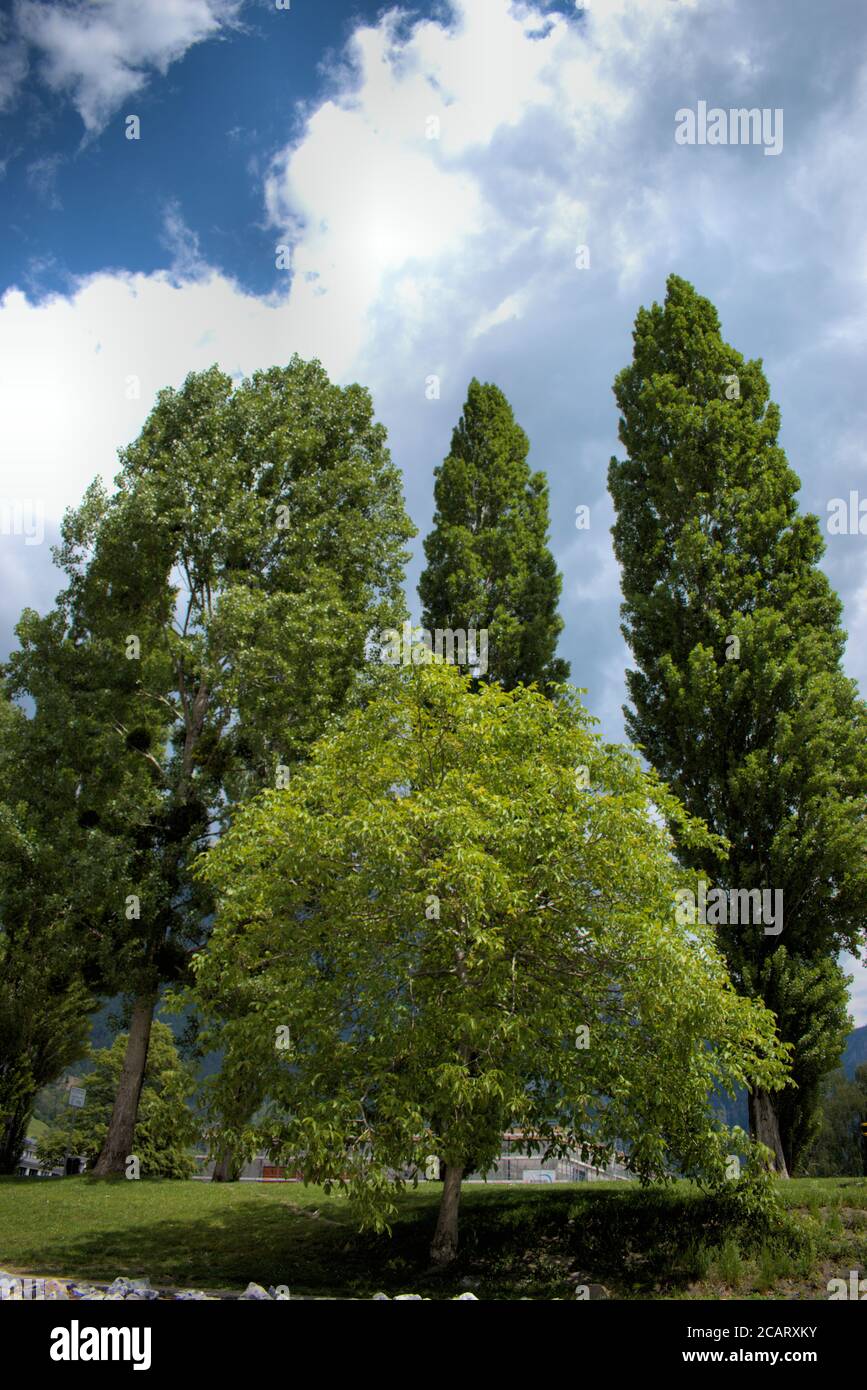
pixel 76 199
pixel 124 264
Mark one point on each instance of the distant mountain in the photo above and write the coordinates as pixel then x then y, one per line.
pixel 734 1112
pixel 856 1051
pixel 104 1029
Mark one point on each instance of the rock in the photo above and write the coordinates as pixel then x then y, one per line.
pixel 54 1289
pixel 462 1298
pixel 256 1292
pixel 123 1286
pixel 408 1298
pixel 380 1298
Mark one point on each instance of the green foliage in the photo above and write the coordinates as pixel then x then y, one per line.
pixel 218 609
pixel 810 1000
pixel 253 546
pixel 429 913
pixel 837 1147
pixel 44 1002
pixel 488 562
pixel 729 1265
pixel 43 1027
pixel 48 1105
pixel 738 699
pixel 165 1128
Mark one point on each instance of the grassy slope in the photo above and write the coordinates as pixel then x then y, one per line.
pixel 516 1242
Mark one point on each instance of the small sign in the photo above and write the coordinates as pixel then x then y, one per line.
pixel 77 1096
pixel 537 1175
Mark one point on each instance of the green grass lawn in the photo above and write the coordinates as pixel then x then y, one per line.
pixel 515 1242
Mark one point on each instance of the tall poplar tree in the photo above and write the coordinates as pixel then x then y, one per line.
pixel 488 562
pixel 219 609
pixel 738 698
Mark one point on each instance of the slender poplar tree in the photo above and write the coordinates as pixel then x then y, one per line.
pixel 488 562
pixel 737 696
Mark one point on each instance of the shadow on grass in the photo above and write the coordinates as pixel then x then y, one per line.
pixel 514 1242
pixel 223 1239
pixel 636 1242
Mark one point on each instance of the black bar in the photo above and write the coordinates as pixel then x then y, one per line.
pixel 614 1336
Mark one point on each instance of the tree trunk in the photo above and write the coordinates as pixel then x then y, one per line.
pixel 12 1136
pixel 225 1169
pixel 118 1144
pixel 444 1246
pixel 765 1127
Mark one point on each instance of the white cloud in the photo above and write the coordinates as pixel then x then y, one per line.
pixel 392 232
pixel 510 308
pixel 42 178
pixel 858 998
pixel 100 55
pixel 183 243
pixel 69 367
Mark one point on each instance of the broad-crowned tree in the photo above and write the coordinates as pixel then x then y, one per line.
pixel 737 695
pixel 221 600
pixel 489 567
pixel 459 919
